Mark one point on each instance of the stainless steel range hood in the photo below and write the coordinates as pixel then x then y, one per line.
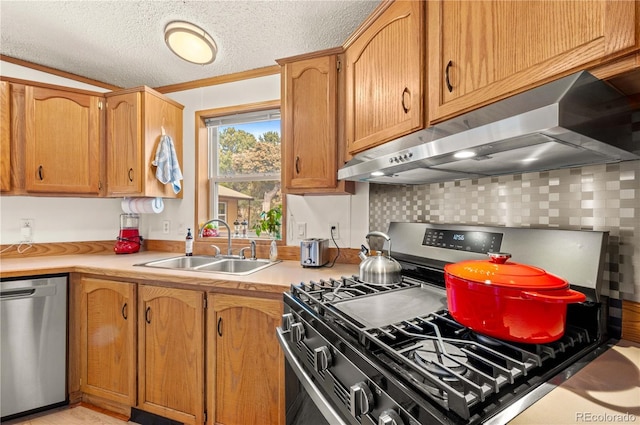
pixel 577 120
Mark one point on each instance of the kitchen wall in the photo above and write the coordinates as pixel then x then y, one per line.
pixel 600 197
pixel 86 219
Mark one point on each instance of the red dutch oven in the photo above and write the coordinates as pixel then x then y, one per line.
pixel 507 300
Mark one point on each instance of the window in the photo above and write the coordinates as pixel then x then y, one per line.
pixel 222 211
pixel 244 167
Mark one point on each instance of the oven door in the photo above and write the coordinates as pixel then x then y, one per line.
pixel 305 403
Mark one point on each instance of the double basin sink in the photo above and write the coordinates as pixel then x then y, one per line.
pixel 207 263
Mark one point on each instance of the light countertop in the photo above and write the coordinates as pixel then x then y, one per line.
pixel 605 391
pixel 275 279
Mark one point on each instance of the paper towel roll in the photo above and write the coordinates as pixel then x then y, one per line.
pixel 142 205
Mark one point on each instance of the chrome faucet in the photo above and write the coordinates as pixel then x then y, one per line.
pixel 225 225
pixel 252 247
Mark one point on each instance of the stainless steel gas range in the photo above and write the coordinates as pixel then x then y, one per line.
pixel 359 353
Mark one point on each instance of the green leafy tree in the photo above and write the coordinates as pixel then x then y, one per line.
pixel 232 142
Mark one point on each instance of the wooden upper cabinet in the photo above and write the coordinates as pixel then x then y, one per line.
pixel 107 318
pixel 135 122
pixel 481 51
pixel 5 137
pixel 171 353
pixel 385 81
pixel 311 145
pixel 62 140
pixel 246 364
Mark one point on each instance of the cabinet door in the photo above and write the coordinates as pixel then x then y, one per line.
pixel 62 141
pixel 107 340
pixel 124 144
pixel 310 133
pixel 246 364
pixel 5 137
pixel 171 353
pixel 385 78
pixel 480 51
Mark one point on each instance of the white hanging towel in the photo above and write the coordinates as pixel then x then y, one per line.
pixel 166 161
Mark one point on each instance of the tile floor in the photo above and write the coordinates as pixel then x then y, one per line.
pixel 69 415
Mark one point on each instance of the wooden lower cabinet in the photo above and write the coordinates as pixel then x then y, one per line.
pixel 245 363
pixel 171 353
pixel 108 339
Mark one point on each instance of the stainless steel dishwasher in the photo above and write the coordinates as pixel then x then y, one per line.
pixel 33 344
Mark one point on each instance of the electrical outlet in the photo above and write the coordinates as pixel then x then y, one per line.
pixel 26 229
pixel 334 230
pixel 166 227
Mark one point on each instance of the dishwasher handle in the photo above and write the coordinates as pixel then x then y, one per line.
pixel 28 292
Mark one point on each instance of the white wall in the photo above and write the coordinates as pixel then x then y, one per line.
pixel 82 219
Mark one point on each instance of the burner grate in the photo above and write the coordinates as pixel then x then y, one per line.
pixel 463 368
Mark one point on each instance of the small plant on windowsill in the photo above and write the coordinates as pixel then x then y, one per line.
pixel 270 222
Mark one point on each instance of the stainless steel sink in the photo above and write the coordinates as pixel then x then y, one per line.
pixel 235 266
pixel 207 263
pixel 182 262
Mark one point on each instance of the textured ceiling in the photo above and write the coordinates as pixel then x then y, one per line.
pixel 122 43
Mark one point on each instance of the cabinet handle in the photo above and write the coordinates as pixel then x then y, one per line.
pixel 40 176
pixel 147 315
pixel 220 326
pixel 297 165
pixel 446 76
pixel 124 311
pixel 130 174
pixel 406 92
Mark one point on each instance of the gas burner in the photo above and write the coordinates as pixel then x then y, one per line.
pixel 487 340
pixel 439 358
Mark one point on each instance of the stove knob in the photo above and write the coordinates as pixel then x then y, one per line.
pixel 390 417
pixel 297 332
pixel 361 399
pixel 322 358
pixel 287 321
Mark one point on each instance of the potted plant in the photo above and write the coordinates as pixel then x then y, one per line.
pixel 270 222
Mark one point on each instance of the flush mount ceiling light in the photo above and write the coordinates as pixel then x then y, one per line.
pixel 190 42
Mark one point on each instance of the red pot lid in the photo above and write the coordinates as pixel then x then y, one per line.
pixel 500 272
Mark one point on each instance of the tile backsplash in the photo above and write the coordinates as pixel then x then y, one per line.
pixel 600 197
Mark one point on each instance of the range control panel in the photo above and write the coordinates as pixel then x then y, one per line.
pixel 463 240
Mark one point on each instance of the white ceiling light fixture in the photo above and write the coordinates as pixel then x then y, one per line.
pixel 190 42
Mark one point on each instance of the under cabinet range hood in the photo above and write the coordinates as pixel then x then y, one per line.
pixel 577 120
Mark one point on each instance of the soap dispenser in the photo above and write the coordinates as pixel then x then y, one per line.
pixel 188 244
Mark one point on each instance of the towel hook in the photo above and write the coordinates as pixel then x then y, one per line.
pixel 162 128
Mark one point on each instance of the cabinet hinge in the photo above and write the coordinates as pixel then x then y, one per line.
pixel 339 65
pixel 205 416
pixel 100 104
pixel 204 302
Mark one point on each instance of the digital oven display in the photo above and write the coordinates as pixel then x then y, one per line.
pixel 463 240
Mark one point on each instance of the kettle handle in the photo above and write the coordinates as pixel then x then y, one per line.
pixel 382 235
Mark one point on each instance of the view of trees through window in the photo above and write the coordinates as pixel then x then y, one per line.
pixel 245 167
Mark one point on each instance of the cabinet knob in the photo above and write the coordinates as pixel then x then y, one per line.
pixel 297 165
pixel 360 400
pixel 390 417
pixel 130 174
pixel 322 358
pixel 40 176
pixel 124 311
pixel 446 76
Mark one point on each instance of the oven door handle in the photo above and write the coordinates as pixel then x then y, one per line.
pixel 330 414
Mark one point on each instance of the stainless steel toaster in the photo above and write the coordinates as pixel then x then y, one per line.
pixel 314 252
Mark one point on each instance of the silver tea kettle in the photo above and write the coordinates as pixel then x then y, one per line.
pixel 379 269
